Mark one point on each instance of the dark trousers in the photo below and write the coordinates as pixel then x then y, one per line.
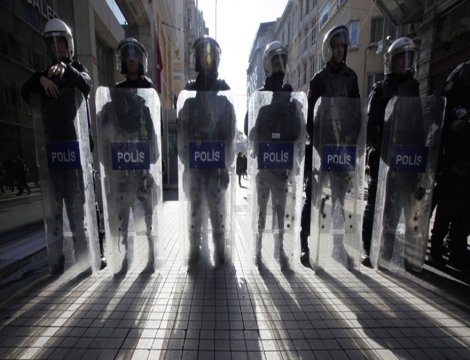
pixel 452 198
pixel 368 219
pixel 306 213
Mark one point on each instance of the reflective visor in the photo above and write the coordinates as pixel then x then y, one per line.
pixel 341 37
pixel 403 60
pixel 131 52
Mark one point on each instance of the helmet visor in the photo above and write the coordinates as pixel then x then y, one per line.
pixel 207 56
pixel 403 62
pixel 57 45
pixel 279 63
pixel 131 56
pixel 132 52
pixel 339 39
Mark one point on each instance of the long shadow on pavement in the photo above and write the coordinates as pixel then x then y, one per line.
pixel 392 322
pixel 311 326
pixel 213 316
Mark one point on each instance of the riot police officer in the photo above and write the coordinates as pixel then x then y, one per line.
pixel 452 194
pixel 131 58
pixel 278 122
pixel 58 117
pixel 207 57
pixel 334 80
pixel 400 65
pixel 206 118
pixel 127 120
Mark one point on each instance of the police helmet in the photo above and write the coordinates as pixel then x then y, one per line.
pixel 56 28
pixel 206 54
pixel 130 48
pixel 272 50
pixel 327 50
pixel 402 47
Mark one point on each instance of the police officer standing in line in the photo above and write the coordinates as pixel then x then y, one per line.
pixel 127 118
pixel 399 61
pixel 204 118
pixel 452 193
pixel 279 120
pixel 63 73
pixel 334 80
pixel 132 57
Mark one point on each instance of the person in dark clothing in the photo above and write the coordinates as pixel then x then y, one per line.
pixel 279 122
pixel 132 60
pixel 126 119
pixel 239 168
pixel 334 80
pixel 452 193
pixel 206 119
pixel 59 110
pixel 21 176
pixel 400 61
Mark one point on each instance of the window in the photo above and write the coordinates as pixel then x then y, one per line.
pixel 376 29
pixel 324 13
pixel 307 5
pixel 354 34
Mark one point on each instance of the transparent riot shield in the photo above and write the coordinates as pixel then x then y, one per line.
pixel 66 180
pixel 337 183
pixel 206 136
pixel 276 138
pixel 410 146
pixel 129 134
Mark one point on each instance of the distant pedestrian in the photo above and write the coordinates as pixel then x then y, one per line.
pixel 21 176
pixel 239 168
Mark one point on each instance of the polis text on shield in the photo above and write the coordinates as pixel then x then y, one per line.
pixel 410 160
pixel 339 159
pixel 135 156
pixel 207 156
pixel 65 156
pixel 276 157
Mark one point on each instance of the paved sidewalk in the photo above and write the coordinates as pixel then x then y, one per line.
pixel 234 312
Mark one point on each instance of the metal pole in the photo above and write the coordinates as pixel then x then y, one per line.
pixel 216 19
pixel 197 19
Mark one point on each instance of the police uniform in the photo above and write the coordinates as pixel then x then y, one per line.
pixel 383 91
pixel 128 119
pixel 332 81
pixel 452 192
pixel 276 122
pixel 207 187
pixel 67 184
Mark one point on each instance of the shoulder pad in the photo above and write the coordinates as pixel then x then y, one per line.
pixel 222 85
pixel 287 87
pixel 378 86
pixel 190 85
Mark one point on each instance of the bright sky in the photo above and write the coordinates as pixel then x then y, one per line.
pixel 237 24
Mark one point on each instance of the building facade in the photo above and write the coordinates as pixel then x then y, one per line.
pixel 23 52
pixel 255 72
pixel 441 30
pixel 303 25
pixel 167 29
pixel 314 18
